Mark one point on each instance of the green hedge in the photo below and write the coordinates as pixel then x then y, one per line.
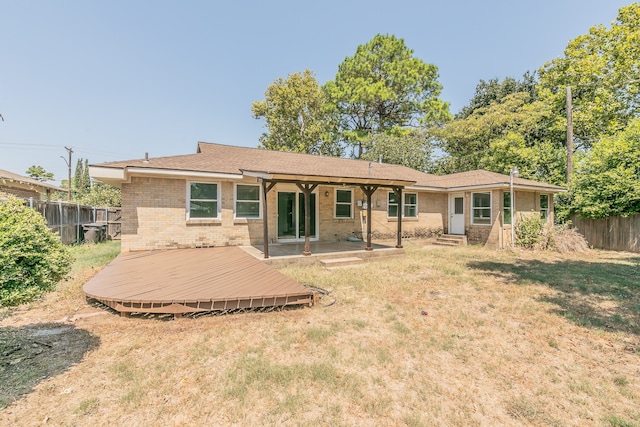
pixel 32 258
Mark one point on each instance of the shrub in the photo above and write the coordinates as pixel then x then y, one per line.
pixel 533 232
pixel 32 258
pixel 529 230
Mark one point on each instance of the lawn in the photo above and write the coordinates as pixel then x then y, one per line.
pixel 443 336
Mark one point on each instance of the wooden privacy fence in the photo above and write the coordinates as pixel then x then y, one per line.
pixel 67 219
pixel 615 233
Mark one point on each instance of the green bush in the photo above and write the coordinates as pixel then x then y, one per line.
pixel 32 258
pixel 530 231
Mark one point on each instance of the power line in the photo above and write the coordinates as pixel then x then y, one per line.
pixel 27 146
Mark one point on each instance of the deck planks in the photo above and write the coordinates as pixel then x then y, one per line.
pixel 184 280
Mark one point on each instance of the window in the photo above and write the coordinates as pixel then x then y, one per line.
pixel 507 207
pixel 247 201
pixel 203 200
pixel 458 205
pixel 544 206
pixel 481 207
pixel 344 204
pixel 410 205
pixel 392 205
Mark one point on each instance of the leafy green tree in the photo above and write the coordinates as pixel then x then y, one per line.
pixel 410 148
pixel 494 90
pixel 383 87
pixel 39 173
pixel 298 116
pixel 509 132
pixel 86 179
pixel 81 181
pixel 32 258
pixel 101 195
pixel 603 71
pixel 607 179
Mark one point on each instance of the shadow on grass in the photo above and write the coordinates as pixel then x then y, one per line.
pixel 33 353
pixel 601 294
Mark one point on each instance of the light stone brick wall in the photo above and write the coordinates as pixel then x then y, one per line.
pixel 432 208
pixel 498 235
pixel 428 222
pixel 154 216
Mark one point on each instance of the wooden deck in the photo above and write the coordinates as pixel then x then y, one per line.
pixel 180 281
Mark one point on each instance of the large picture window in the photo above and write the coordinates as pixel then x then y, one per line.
pixel 203 200
pixel 481 208
pixel 247 201
pixel 410 205
pixel 344 204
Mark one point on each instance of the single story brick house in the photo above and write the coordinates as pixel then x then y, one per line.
pixel 225 195
pixel 26 188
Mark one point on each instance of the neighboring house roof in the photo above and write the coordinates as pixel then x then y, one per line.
pixel 11 179
pixel 219 161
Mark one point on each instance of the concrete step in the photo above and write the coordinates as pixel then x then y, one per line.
pixel 341 262
pixel 451 244
pixel 451 240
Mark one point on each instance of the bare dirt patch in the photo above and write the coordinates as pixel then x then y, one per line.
pixel 30 354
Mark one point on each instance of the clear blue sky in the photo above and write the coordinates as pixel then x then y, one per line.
pixel 116 79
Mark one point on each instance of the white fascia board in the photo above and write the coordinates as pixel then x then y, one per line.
pixel 100 172
pixel 420 188
pixel 507 187
pixel 262 175
pixel 137 171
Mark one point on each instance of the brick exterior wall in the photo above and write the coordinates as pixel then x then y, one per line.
pixel 498 234
pixel 154 216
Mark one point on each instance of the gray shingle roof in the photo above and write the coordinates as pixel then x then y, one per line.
pixel 225 159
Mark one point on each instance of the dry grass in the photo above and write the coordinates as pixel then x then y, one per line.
pixel 509 339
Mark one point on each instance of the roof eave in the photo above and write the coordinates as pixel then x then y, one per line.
pixel 327 179
pixel 553 189
pixel 117 176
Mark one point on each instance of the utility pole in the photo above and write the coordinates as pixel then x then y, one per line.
pixel 569 135
pixel 68 162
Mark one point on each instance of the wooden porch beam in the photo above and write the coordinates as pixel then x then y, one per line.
pixel 368 190
pixel 265 217
pixel 307 189
pixel 398 193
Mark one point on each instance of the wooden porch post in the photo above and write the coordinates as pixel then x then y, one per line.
pixel 398 192
pixel 368 190
pixel 265 217
pixel 307 189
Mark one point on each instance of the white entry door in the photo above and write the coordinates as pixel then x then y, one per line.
pixel 456 213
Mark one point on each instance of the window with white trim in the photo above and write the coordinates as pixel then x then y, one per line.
pixel 203 200
pixel 544 206
pixel 410 205
pixel 344 204
pixel 506 213
pixel 247 201
pixel 481 208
